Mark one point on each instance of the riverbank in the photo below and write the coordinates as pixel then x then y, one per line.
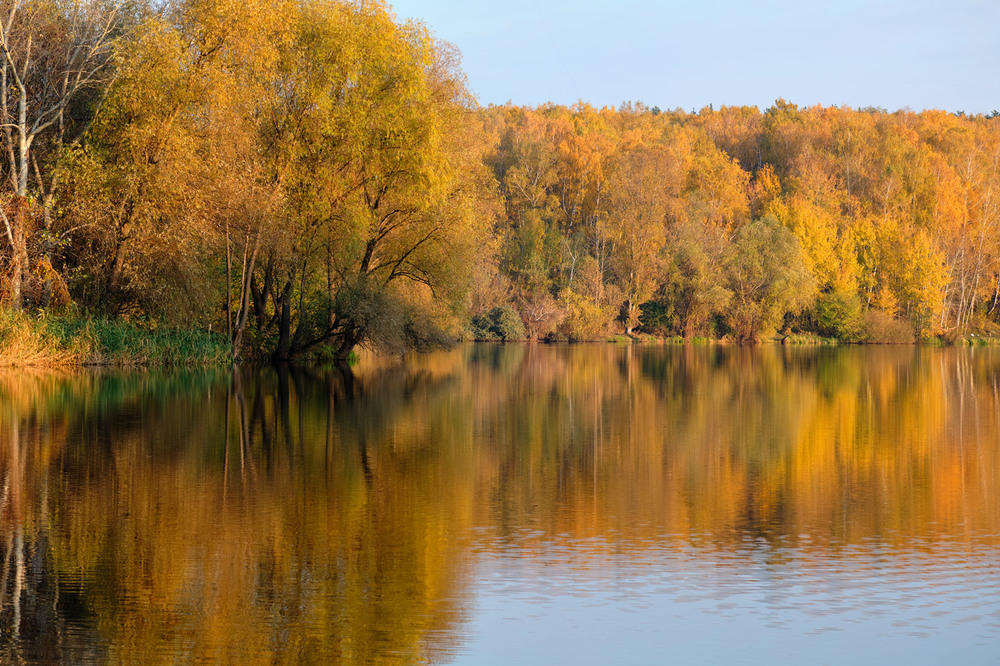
pixel 61 340
pixel 50 340
pixel 795 339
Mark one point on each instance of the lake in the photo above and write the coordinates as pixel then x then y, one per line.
pixel 584 504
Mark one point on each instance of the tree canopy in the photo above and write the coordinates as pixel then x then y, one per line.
pixel 311 176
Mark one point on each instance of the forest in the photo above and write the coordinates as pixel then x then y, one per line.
pixel 300 178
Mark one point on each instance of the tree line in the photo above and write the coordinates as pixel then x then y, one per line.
pixel 862 225
pixel 311 175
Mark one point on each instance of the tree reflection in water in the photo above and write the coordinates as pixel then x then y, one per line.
pixel 317 515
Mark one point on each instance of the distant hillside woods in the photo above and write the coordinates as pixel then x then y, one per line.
pixel 304 177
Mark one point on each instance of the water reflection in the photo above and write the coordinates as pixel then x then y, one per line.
pixel 405 513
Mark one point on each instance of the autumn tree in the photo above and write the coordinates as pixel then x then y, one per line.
pixel 637 223
pixel 693 292
pixel 55 61
pixel 169 189
pixel 768 278
pixel 380 194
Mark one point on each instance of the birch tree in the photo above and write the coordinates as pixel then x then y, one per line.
pixel 54 54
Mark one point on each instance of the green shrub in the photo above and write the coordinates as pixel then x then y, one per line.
pixel 657 317
pixel 481 328
pixel 501 323
pixel 838 315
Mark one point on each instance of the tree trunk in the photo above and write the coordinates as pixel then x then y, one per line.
pixel 229 287
pixel 284 348
pixel 629 316
pixel 260 295
pixel 20 263
pixel 16 269
pixel 243 312
pixel 347 344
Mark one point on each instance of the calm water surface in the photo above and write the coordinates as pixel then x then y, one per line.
pixel 501 504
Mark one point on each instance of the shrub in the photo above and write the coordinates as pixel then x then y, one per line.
pixel 657 317
pixel 838 315
pixel 880 327
pixel 501 323
pixel 585 320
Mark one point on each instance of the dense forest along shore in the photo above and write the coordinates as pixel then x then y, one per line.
pixel 267 179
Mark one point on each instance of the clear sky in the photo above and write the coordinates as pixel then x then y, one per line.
pixel 919 54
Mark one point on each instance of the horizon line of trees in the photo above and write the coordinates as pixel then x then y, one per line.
pixel 857 224
pixel 311 175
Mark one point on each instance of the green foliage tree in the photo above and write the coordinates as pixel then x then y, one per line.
pixel 839 315
pixel 767 274
pixel 381 199
pixel 637 224
pixel 693 287
pixel 501 323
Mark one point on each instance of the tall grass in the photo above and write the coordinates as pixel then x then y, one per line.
pixel 53 340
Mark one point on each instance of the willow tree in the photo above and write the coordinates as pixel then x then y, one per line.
pixel 169 183
pixel 306 166
pixel 768 277
pixel 366 139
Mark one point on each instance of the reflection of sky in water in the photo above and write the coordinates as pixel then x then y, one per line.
pixel 561 603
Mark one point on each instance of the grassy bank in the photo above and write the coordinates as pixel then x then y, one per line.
pixel 52 340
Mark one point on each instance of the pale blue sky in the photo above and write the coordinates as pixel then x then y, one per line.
pixel 672 53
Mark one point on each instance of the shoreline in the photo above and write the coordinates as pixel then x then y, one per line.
pixel 70 340
pixel 75 341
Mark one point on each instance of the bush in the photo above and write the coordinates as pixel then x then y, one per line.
pixel 657 317
pixel 501 323
pixel 838 315
pixel 880 327
pixel 585 320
